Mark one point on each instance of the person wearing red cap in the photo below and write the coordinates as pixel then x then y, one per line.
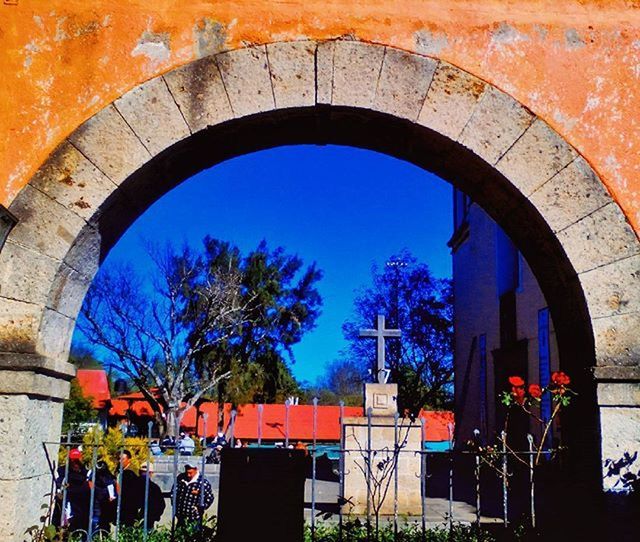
pixel 78 492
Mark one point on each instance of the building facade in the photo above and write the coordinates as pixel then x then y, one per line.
pixel 502 324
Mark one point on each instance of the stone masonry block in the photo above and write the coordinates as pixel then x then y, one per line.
pixel 108 142
pixel 496 123
pixel 616 339
pixel 25 479
pixel 403 84
pixel 572 194
pixel 292 66
pixel 535 158
pixel 67 291
pixel 619 394
pixel 69 178
pixel 84 255
pixel 602 237
pixel 245 73
pixel 26 274
pixel 451 99
pixel 44 224
pixel 356 68
pixel 19 323
pixel 33 383
pixel 200 94
pixel 54 335
pixel 153 115
pixel 613 289
pixel 324 71
pixel 620 431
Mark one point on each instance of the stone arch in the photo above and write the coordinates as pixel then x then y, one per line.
pixel 103 175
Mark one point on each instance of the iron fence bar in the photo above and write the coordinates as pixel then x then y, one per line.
pixel 145 523
pixel 65 481
pixel 478 490
pixel 202 474
pixel 92 494
pixel 52 492
pixel 286 423
pixel 368 472
pixel 341 458
pixel 119 500
pixel 532 481
pixel 423 479
pixel 396 457
pixel 232 427
pixel 450 431
pixel 260 409
pixel 505 497
pixel 174 489
pixel 313 470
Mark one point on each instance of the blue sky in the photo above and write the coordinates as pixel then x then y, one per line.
pixel 342 207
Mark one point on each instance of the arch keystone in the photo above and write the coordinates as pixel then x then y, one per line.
pixel 356 68
pixel 292 68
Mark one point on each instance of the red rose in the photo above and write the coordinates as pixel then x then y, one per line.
pixel 518 394
pixel 560 379
pixel 516 381
pixel 535 391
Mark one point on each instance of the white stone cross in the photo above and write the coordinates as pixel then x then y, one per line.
pixel 380 333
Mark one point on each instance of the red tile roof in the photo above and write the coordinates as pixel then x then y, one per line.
pixel 94 385
pixel 273 420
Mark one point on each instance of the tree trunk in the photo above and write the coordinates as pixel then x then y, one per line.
pixel 173 421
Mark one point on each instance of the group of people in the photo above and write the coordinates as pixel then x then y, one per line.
pixel 73 508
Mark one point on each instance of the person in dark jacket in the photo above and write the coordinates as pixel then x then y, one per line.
pixel 131 496
pixel 156 504
pixel 78 494
pixel 193 496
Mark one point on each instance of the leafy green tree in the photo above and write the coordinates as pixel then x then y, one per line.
pixel 282 304
pixel 413 300
pixel 341 381
pixel 204 324
pixel 78 408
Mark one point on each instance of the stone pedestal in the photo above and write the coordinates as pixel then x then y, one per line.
pixel 376 446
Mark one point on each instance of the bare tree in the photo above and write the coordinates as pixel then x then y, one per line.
pixel 156 337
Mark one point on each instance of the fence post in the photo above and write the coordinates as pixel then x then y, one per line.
pixel 174 489
pixel 368 471
pixel 260 409
pixel 92 497
pixel 341 470
pixel 423 478
pixel 287 403
pixel 120 470
pixel 450 431
pixel 65 481
pixel 313 470
pixel 532 481
pixel 505 497
pixel 203 467
pixel 476 434
pixel 232 429
pixel 145 524
pixel 396 459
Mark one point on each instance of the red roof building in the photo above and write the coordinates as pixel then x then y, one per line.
pixel 95 386
pixel 275 424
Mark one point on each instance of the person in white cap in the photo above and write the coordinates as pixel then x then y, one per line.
pixel 156 504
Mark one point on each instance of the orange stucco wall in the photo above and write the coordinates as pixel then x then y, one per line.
pixel 575 63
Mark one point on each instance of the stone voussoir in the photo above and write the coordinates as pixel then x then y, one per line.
pixel 245 73
pixel 324 71
pixel 292 68
pixel 356 68
pixel 200 94
pixel 26 273
pixel 70 179
pixel 403 84
pixel 67 291
pixel 613 289
pixel 451 100
pixel 616 339
pixel 535 157
pixel 495 125
pixel 153 115
pixel 569 196
pixel 54 335
pixel 55 229
pixel 110 144
pixel 601 238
